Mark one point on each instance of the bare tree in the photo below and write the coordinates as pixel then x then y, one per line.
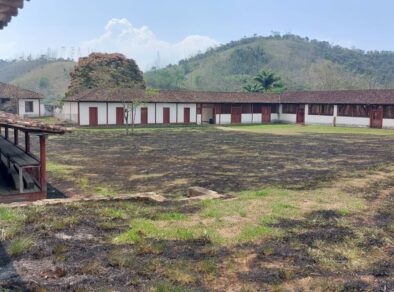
pixel 130 110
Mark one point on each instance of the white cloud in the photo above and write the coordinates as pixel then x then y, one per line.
pixel 141 44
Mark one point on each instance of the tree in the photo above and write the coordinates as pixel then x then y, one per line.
pixel 44 82
pixel 268 81
pixel 130 110
pixel 253 88
pixel 105 71
pixel 265 81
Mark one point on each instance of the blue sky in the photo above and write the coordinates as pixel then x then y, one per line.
pixel 174 29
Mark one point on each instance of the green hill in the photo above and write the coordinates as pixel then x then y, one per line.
pixel 49 77
pixel 303 64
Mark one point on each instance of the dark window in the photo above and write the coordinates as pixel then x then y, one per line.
pixel 226 108
pixel 353 110
pixel 199 109
pixel 275 108
pixel 217 108
pixel 29 107
pixel 388 112
pixel 321 109
pixel 257 108
pixel 246 108
pixel 289 108
pixel 4 100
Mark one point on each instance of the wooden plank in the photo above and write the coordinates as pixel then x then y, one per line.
pixel 17 155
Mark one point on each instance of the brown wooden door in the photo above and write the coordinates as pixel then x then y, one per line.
pixel 93 116
pixel 144 116
pixel 266 114
pixel 186 115
pixel 166 115
pixel 376 118
pixel 300 115
pixel 120 116
pixel 236 113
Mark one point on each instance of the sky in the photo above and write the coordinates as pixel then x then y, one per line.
pixel 159 32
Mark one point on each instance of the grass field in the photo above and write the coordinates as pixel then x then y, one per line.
pixel 291 129
pixel 308 212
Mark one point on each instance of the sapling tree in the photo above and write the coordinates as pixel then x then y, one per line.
pixel 130 111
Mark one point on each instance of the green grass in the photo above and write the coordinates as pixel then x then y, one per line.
pixel 7 214
pixel 144 228
pixel 143 128
pixel 172 216
pixel 20 246
pixel 291 129
pixel 48 120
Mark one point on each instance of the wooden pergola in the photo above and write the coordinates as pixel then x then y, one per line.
pixel 8 9
pixel 23 174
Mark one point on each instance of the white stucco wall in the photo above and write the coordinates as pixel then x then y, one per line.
pixel 246 118
pixel 36 108
pixel 112 112
pixel 388 123
pixel 199 118
pixel 225 119
pixel 70 111
pixel 193 109
pixel 274 117
pixel 319 120
pixel 101 111
pixel 288 118
pixel 257 118
pixel 159 112
pixel 353 121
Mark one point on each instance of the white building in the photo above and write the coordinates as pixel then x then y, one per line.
pixel 25 103
pixel 360 108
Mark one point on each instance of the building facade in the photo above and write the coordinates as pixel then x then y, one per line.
pixel 16 100
pixel 358 108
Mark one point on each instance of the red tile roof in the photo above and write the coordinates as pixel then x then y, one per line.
pixel 120 95
pixel 14 121
pixel 373 96
pixel 12 91
pixel 384 96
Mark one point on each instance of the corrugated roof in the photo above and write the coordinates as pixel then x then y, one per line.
pixel 8 9
pixel 11 120
pixel 12 91
pixel 383 96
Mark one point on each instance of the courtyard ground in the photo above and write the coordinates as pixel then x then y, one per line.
pixel 310 209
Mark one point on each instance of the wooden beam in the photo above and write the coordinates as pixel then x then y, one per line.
pixel 43 180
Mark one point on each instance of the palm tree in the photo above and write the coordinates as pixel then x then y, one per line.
pixel 253 88
pixel 268 81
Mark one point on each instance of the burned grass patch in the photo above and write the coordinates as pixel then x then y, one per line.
pixel 170 161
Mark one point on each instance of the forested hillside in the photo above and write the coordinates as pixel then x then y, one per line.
pixel 302 64
pixel 49 77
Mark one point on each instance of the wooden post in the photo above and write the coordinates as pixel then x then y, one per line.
pixel 43 182
pixel 16 136
pixel 27 142
pixel 6 132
